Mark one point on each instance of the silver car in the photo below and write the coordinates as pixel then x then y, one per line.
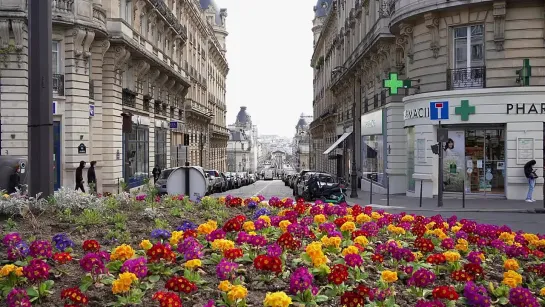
pixel 161 184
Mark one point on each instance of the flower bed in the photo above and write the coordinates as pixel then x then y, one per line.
pixel 148 251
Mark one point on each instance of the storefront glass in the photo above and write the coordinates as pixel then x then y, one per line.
pixel 373 158
pixel 136 156
pixel 410 158
pixel 161 147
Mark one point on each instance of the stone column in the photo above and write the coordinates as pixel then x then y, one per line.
pixel 76 91
pixel 97 51
pixel 114 60
pixel 14 88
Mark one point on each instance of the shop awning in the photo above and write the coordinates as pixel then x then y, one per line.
pixel 339 140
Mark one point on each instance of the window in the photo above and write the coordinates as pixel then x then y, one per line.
pixel 410 159
pixel 373 158
pixel 128 11
pixel 56 61
pixel 136 156
pixel 161 147
pixel 469 44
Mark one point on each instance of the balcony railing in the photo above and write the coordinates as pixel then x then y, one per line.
pixel 58 84
pixel 62 6
pixel 473 77
pixel 128 98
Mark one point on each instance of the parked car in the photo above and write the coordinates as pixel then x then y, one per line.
pixel 236 180
pixel 161 184
pixel 216 180
pixel 210 185
pixel 301 181
pixel 293 180
pixel 243 178
pixel 252 178
pixel 229 180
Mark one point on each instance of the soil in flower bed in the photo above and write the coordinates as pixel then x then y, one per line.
pixel 392 238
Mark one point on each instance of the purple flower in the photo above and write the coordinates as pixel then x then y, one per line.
pixel 353 260
pixel 243 237
pixel 160 234
pixel 476 295
pixel 41 248
pixel 18 251
pixel 12 239
pixel 274 250
pixel 257 240
pixel 136 266
pixel 216 234
pixel 211 303
pixel 186 225
pixel 252 205
pixel 447 243
pixel 260 224
pixel 421 278
pixel 225 269
pixel 327 227
pixel 93 263
pixel 62 242
pixel 18 298
pixel 474 257
pixel 434 303
pixel 315 210
pixel 36 270
pixel 522 297
pixel 300 280
pixel 190 248
pixel 260 212
pixel 370 229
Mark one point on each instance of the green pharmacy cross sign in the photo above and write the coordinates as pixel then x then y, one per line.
pixel 464 110
pixel 394 84
pixel 525 73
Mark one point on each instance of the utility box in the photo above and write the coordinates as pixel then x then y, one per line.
pixel 8 164
pixel 177 182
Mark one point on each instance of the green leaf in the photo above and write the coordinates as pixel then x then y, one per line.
pixel 503 301
pixel 321 298
pixel 32 292
pixel 154 278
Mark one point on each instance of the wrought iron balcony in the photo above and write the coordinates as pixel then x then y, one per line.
pixel 460 78
pixel 128 98
pixel 58 84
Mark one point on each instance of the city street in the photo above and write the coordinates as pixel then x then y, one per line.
pixel 517 221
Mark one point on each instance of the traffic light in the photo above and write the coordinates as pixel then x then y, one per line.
pixel 186 139
pixel 435 149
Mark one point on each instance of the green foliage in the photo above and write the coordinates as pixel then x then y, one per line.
pixel 90 217
pixel 161 224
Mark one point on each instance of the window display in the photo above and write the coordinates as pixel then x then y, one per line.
pixel 136 156
pixel 373 158
pixel 410 158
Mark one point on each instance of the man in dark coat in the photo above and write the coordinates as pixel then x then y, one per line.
pixel 92 177
pixel 14 181
pixel 79 176
pixel 156 172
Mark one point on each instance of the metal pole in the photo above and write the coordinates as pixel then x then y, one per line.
pixel 464 192
pixel 354 177
pixel 40 97
pixel 440 181
pixel 421 193
pixel 371 190
pixel 201 147
pixel 387 190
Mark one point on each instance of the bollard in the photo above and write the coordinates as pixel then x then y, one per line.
pixel 117 185
pixel 387 190
pixel 421 193
pixel 464 196
pixel 371 191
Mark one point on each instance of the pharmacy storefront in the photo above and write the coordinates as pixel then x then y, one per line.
pixel 491 134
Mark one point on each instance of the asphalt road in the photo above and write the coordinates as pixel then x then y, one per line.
pixel 534 223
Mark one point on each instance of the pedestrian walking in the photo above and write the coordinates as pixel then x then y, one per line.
pixel 531 175
pixel 14 180
pixel 79 176
pixel 156 172
pixel 92 178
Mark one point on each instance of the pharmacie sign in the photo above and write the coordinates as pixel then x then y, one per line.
pixel 525 108
pixel 423 112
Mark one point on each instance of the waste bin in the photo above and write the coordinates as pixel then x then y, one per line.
pixel 8 164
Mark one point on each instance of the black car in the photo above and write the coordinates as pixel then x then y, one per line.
pixel 230 181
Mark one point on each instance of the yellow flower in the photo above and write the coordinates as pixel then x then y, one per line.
pixel 248 226
pixel 319 219
pixel 507 237
pixel 462 245
pixel 225 285
pixel 376 216
pixel 284 225
pixel 207 227
pixel 123 283
pixel 452 256
pixel 252 233
pixel 418 255
pixel 222 244
pixel 122 252
pixel 361 240
pixel 266 218
pixel 348 226
pixel 394 229
pixel 276 299
pixel 440 234
pixel 146 244
pixel 195 263
pixel 407 218
pixel 331 242
pixel 349 218
pixel 388 276
pixel 6 196
pixel 511 264
pixel 221 199
pixel 175 237
pixel 237 292
pixel 7 269
pixel 363 218
pixel 350 250
pixel 542 291
pixel 455 229
pixel 314 251
pixel 512 279
pixel 430 225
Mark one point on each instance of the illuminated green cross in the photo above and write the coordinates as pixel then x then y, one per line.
pixel 525 72
pixel 464 110
pixel 393 83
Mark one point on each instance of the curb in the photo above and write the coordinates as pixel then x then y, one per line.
pixel 531 211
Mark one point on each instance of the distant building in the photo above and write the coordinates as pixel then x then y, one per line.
pixel 301 143
pixel 242 144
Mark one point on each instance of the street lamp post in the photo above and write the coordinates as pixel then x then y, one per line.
pixel 354 175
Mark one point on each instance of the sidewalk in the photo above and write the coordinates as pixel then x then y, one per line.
pixel 450 204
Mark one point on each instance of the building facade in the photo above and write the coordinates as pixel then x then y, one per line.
pixel 128 77
pixel 242 149
pixel 301 144
pixel 467 63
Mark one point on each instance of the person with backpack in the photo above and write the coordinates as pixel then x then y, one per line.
pixel 79 176
pixel 531 175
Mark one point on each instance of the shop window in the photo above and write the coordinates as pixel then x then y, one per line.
pixel 373 158
pixel 136 156
pixel 410 158
pixel 469 70
pixel 161 147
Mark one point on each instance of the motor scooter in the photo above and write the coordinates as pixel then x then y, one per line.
pixel 327 192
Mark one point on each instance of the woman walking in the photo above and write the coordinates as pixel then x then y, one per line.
pixel 531 175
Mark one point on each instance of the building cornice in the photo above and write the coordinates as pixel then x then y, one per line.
pixel 325 27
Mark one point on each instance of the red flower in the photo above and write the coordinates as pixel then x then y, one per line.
pixel 340 221
pixel 91 246
pixel 233 253
pixel 356 210
pixel 189 233
pixel 418 229
pixel 268 263
pixel 167 299
pixel 234 224
pixel 424 245
pixel 538 254
pixel 180 284
pixel 377 258
pixel 234 202
pixel 362 290
pixel 436 259
pixel 338 274
pixel 301 208
pixel 445 292
pixel 62 258
pixel 287 241
pixel 461 275
pixel 75 296
pixel 352 299
pixel 160 251
pixel 357 233
pixel 473 269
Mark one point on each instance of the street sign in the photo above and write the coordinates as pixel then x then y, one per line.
pixel 442 135
pixel 439 110
pixel 91 110
pixel 174 125
pixel 82 148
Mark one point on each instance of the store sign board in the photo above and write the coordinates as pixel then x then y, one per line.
pixel 416 113
pixel 371 123
pixel 525 108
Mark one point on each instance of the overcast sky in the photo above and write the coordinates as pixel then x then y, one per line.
pixel 269 49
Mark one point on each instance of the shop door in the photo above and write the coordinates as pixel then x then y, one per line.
pixel 485 156
pixel 57 155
